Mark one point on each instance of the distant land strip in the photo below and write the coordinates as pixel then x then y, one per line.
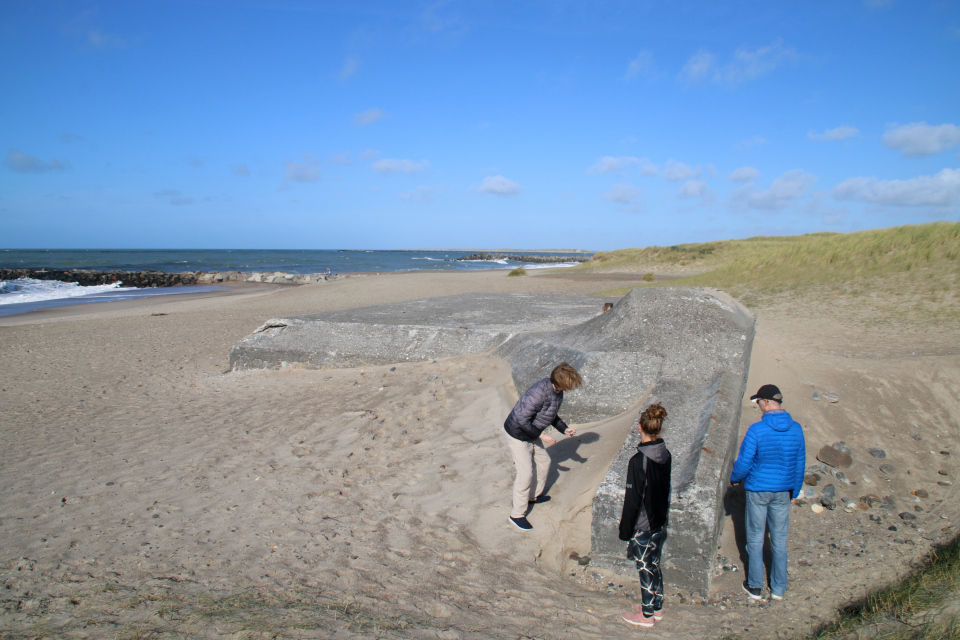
pixel 145 279
pixel 536 259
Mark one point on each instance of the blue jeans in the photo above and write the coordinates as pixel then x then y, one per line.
pixel 770 509
pixel 645 548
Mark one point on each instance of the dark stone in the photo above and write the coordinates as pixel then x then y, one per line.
pixel 943 472
pixel 393 368
pixel 584 561
pixel 945 453
pixel 830 490
pixel 828 502
pixel 944 483
pixel 892 527
pixel 921 493
pixel 811 479
pixel 917 437
pixel 877 453
pixel 906 515
pixel 830 456
pixel 918 508
pixel 871 500
pixel 888 468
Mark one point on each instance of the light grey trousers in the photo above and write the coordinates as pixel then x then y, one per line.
pixel 531 460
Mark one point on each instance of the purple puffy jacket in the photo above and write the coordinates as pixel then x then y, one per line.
pixel 535 411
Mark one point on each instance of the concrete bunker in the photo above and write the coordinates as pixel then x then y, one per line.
pixel 688 348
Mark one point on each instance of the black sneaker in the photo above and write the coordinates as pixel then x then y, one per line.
pixel 754 592
pixel 540 500
pixel 521 523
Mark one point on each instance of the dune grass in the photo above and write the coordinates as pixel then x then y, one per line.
pixel 519 271
pixel 912 269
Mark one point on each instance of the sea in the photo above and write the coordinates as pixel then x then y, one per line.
pixel 26 294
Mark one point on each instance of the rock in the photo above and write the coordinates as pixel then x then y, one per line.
pixel 944 483
pixel 842 446
pixel 842 477
pixel 828 502
pixel 816 397
pixel 816 508
pixel 918 508
pixel 809 492
pixel 917 436
pixel 811 479
pixel 871 500
pixel 920 493
pixel 431 377
pixel 825 470
pixel 892 527
pixel 877 453
pixel 944 453
pixel 888 469
pixel 584 561
pixel 393 368
pixel 943 472
pixel 813 468
pixel 830 490
pixel 830 456
pixel 906 515
pixel 830 397
pixel 876 518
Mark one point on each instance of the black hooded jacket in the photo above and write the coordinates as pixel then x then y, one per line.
pixel 647 499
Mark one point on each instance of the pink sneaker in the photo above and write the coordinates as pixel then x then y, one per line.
pixel 657 615
pixel 637 618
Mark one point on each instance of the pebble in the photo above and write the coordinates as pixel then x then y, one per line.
pixel 943 472
pixel 842 477
pixel 892 527
pixel 917 436
pixel 816 397
pixel 888 469
pixel 431 377
pixel 877 453
pixel 809 492
pixel 393 368
pixel 920 493
pixel 830 397
pixel 816 508
pixel 906 515
pixel 871 500
pixel 584 561
pixel 944 483
pixel 811 479
pixel 945 453
pixel 830 490
pixel 830 456
pixel 828 502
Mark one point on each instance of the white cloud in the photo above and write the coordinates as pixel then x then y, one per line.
pixel 692 189
pixel 369 116
pixel 641 65
pixel 390 165
pixel 842 132
pixel 940 190
pixel 240 169
pixel 301 171
pixel 499 186
pixel 921 139
pixel 789 187
pixel 623 193
pixel 746 64
pixel 608 164
pixel 20 162
pixel 744 174
pixel 675 171
pixel 369 154
pixel 420 194
pixel 699 67
pixel 755 141
pixel 350 66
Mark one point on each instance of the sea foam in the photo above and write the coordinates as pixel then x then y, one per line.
pixel 31 290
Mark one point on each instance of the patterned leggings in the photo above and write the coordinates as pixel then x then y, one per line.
pixel 645 547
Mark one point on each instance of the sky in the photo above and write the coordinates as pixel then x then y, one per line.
pixel 594 124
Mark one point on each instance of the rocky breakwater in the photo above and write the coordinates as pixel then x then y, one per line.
pixel 151 279
pixel 494 257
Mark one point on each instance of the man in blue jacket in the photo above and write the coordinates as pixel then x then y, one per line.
pixel 771 463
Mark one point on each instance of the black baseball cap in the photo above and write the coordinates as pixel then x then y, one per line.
pixel 768 392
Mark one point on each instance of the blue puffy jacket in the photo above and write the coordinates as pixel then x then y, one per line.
pixel 772 456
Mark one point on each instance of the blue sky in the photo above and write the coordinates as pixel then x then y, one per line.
pixel 482 123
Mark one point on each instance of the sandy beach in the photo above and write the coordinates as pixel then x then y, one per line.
pixel 148 492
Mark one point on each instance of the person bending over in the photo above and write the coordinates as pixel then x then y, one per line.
pixel 536 410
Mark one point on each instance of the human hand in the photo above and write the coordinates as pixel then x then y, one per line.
pixel 571 432
pixel 547 440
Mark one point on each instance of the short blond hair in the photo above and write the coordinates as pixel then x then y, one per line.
pixel 564 377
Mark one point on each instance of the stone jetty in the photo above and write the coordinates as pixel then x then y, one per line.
pixel 150 279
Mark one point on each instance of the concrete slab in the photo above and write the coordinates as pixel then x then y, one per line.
pixel 688 348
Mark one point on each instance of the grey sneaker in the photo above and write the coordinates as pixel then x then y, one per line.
pixel 521 523
pixel 756 593
pixel 776 597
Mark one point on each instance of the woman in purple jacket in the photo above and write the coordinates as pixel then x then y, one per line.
pixel 533 413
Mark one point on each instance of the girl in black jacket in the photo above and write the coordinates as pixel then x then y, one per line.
pixel 645 506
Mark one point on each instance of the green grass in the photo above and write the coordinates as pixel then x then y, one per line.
pixel 912 270
pixel 519 271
